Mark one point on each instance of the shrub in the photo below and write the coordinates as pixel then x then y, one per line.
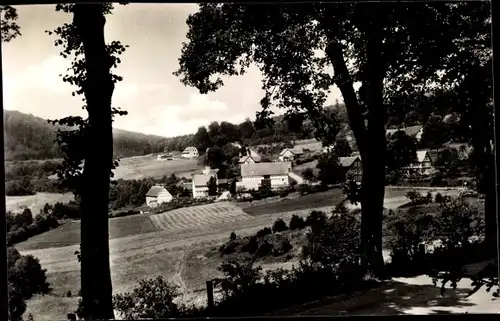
pixel 297 222
pixel 26 278
pixel 281 245
pixel 406 231
pixel 279 226
pixel 304 189
pixel 232 237
pixel 264 248
pixel 263 232
pixel 418 199
pixel 438 198
pixel 152 299
pixel 316 218
pixel 251 246
pixel 335 242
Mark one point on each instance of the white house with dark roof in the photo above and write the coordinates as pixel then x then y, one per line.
pixel 254 175
pixel 157 195
pixel 200 182
pixel 289 154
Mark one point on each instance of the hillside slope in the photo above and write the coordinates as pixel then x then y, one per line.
pixel 31 137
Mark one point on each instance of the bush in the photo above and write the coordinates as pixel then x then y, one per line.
pixel 316 218
pixel 297 222
pixel 418 199
pixel 281 245
pixel 247 291
pixel 407 230
pixel 251 246
pixel 279 226
pixel 152 299
pixel 232 237
pixel 334 243
pixel 26 278
pixel 263 232
pixel 304 189
pixel 454 227
pixel 438 198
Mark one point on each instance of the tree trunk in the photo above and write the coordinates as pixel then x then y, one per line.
pixel 95 269
pixel 371 145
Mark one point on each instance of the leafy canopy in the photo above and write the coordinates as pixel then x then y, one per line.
pixel 295 46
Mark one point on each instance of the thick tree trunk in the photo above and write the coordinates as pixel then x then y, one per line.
pixel 95 268
pixel 371 144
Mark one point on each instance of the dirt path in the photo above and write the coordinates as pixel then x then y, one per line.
pixel 177 278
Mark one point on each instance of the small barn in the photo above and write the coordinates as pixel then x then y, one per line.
pixel 157 195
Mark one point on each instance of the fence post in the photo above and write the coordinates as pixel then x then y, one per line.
pixel 210 296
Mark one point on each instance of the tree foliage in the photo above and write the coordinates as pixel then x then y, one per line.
pixel 401 151
pixel 392 50
pixel 9 28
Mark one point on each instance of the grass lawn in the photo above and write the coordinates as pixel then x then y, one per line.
pixel 329 198
pixel 69 233
pixel 149 166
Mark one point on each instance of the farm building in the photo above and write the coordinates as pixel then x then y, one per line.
pixel 249 156
pixel 412 131
pixel 200 182
pixel 351 164
pixel 423 165
pixel 289 154
pixel 190 152
pixel 254 175
pixel 157 195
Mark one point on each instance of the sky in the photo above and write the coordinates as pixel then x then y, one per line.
pixel 156 101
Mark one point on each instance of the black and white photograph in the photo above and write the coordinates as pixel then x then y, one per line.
pixel 194 160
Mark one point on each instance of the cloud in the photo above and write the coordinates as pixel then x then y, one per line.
pixel 177 119
pixel 44 75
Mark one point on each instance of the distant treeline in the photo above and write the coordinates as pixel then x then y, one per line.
pixel 32 138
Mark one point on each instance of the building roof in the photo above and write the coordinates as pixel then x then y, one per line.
pixel 421 155
pixel 347 161
pixel 295 150
pixel 245 158
pixel 201 179
pixel 155 191
pixel 261 169
pixel 190 149
pixel 411 131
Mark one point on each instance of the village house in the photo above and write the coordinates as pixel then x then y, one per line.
pixel 190 152
pixel 290 154
pixel 200 182
pixel 352 165
pixel 273 174
pixel 412 131
pixel 422 166
pixel 158 195
pixel 250 156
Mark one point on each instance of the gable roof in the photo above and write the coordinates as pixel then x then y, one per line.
pixel 295 150
pixel 155 191
pixel 411 131
pixel 347 161
pixel 421 155
pixel 261 169
pixel 201 179
pixel 245 158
